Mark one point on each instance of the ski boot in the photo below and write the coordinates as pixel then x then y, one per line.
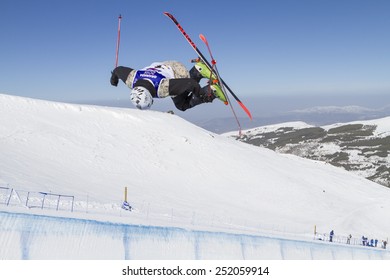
pixel 217 91
pixel 205 72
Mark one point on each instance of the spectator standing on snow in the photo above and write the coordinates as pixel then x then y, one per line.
pixel 349 239
pixel 363 241
pixel 331 236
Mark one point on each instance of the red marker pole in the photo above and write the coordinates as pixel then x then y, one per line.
pixel 118 41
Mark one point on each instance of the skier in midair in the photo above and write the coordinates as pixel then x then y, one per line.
pixel 168 78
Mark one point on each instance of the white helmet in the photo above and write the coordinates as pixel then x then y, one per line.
pixel 141 98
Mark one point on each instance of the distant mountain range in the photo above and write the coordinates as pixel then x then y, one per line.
pixel 318 116
pixel 337 109
pixel 362 147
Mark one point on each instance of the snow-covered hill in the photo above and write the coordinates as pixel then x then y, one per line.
pixel 362 147
pixel 176 169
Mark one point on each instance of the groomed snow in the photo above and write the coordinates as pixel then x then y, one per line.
pixel 177 173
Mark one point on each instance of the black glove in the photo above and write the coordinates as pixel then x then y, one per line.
pixel 114 79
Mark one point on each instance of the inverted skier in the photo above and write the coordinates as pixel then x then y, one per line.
pixel 168 78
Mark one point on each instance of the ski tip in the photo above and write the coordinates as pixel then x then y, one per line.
pixel 226 103
pixel 246 110
pixel 203 38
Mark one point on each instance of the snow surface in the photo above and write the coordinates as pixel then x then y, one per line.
pixel 67 238
pixel 382 126
pixel 177 174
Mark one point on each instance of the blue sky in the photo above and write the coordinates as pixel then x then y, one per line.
pixel 65 50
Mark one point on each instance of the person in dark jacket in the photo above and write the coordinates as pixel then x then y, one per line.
pixel 331 236
pixel 349 239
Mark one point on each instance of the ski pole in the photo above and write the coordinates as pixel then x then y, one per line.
pixel 187 37
pixel 215 70
pixel 118 41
